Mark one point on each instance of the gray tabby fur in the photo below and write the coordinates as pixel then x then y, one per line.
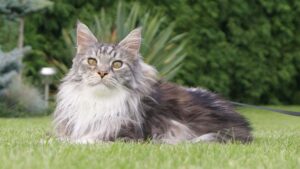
pixel 131 103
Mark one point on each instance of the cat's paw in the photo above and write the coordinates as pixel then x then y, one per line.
pixel 209 137
pixel 84 141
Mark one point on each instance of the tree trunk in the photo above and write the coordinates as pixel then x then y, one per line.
pixel 21 33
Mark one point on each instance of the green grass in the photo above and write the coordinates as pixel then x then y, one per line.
pixel 276 145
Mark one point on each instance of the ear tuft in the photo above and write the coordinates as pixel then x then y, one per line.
pixel 132 42
pixel 85 37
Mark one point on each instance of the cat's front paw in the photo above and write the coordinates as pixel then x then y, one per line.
pixel 84 141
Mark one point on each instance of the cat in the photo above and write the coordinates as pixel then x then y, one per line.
pixel 111 94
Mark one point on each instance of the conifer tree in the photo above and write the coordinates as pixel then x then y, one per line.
pixel 18 9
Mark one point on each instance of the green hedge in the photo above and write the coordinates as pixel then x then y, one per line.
pixel 248 51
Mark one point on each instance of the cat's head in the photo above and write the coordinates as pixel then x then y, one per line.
pixel 111 65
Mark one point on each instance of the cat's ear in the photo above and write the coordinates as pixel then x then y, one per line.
pixel 84 37
pixel 132 42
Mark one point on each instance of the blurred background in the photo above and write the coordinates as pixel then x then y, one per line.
pixel 248 51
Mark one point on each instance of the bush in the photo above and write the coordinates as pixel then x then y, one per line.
pixel 11 110
pixel 20 99
pixel 14 93
pixel 246 50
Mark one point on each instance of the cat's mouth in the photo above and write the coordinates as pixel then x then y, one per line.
pixel 101 82
pixel 96 83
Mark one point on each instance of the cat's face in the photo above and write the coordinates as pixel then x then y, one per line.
pixel 107 65
pixel 111 65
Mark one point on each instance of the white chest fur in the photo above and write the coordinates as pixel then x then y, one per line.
pixel 95 112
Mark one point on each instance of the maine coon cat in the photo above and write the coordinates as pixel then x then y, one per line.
pixel 110 94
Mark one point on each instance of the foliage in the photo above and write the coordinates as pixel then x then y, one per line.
pixel 17 110
pixel 11 110
pixel 10 66
pixel 8 35
pixel 246 50
pixel 160 47
pixel 18 8
pixel 14 94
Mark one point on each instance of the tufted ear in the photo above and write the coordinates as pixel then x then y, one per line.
pixel 84 36
pixel 132 42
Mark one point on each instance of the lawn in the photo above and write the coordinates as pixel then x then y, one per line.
pixel 276 145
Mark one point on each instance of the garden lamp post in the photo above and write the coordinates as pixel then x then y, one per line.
pixel 47 73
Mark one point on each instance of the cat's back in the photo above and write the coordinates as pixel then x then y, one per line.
pixel 166 94
pixel 200 110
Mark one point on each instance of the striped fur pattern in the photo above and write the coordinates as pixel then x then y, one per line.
pixel 130 103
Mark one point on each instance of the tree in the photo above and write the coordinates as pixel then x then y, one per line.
pixel 18 9
pixel 15 96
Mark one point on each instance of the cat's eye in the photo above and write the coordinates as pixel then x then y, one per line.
pixel 92 61
pixel 117 64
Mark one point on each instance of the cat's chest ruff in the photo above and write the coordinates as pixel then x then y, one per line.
pixel 96 109
pixel 102 100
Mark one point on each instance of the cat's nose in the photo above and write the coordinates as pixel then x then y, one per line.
pixel 102 74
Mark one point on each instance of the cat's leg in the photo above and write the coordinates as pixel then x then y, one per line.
pixel 209 137
pixel 223 136
pixel 177 132
pixel 84 141
pixel 90 138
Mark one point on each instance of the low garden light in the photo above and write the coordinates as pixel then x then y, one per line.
pixel 47 73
